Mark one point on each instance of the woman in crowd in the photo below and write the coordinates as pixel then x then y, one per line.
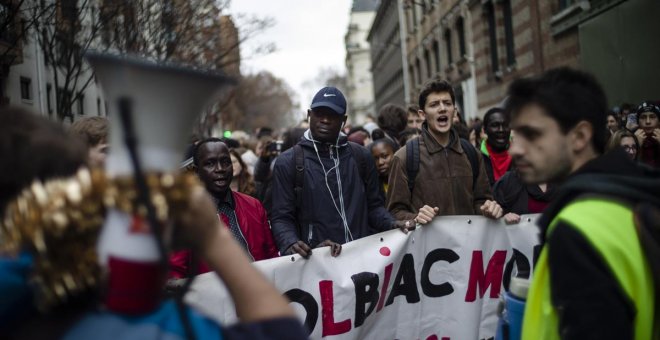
pixel 612 123
pixel 382 151
pixel 242 181
pixel 626 140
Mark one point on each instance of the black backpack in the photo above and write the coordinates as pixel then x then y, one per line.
pixel 412 160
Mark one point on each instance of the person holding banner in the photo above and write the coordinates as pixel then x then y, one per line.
pixel 594 278
pixel 326 190
pixel 438 173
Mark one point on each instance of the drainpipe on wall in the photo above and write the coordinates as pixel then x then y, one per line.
pixel 404 51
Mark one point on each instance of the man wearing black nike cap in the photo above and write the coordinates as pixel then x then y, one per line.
pixel 326 190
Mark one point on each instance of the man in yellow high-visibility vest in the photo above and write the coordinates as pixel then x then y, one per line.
pixel 592 279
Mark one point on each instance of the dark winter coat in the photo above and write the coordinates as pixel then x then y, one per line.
pixel 318 218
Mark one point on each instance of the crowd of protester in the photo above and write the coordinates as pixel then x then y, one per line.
pixel 325 182
pixel 497 191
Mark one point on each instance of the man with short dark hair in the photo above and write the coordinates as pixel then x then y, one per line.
pixel 448 182
pixel 494 148
pixel 648 133
pixel 415 120
pixel 592 279
pixel 392 119
pixel 243 215
pixel 326 190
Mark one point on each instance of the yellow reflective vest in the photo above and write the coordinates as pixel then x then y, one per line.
pixel 609 227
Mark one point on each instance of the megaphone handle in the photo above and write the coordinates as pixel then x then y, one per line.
pixel 126 117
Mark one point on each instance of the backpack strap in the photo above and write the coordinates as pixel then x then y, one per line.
pixel 412 161
pixel 471 154
pixel 299 179
pixel 359 158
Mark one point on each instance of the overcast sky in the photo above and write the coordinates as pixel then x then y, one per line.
pixel 308 34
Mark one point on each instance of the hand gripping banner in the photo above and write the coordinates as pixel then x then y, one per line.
pixel 441 281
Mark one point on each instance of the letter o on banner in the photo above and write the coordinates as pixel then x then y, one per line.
pixel 311 306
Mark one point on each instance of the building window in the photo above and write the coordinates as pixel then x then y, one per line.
pixel 436 49
pixel 64 97
pixel 448 46
pixel 460 30
pixel 69 10
pixel 26 88
pixel 489 11
pixel 49 103
pixel 427 62
pixel 508 33
pixel 419 70
pixel 98 107
pixel 81 104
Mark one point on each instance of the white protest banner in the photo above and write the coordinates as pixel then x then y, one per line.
pixel 441 281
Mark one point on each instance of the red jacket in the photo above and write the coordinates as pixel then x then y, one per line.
pixel 251 218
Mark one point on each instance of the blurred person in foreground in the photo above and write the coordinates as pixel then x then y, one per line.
pixel 33 148
pixel 592 279
pixel 93 131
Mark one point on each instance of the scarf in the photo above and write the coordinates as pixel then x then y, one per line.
pixel 500 161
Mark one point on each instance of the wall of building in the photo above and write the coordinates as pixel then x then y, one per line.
pixel 358 65
pixel 41 78
pixel 386 58
pixel 439 46
pixel 535 47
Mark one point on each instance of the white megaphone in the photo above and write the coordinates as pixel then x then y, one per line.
pixel 164 101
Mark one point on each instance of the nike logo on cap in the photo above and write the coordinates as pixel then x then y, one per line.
pixel 329 95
